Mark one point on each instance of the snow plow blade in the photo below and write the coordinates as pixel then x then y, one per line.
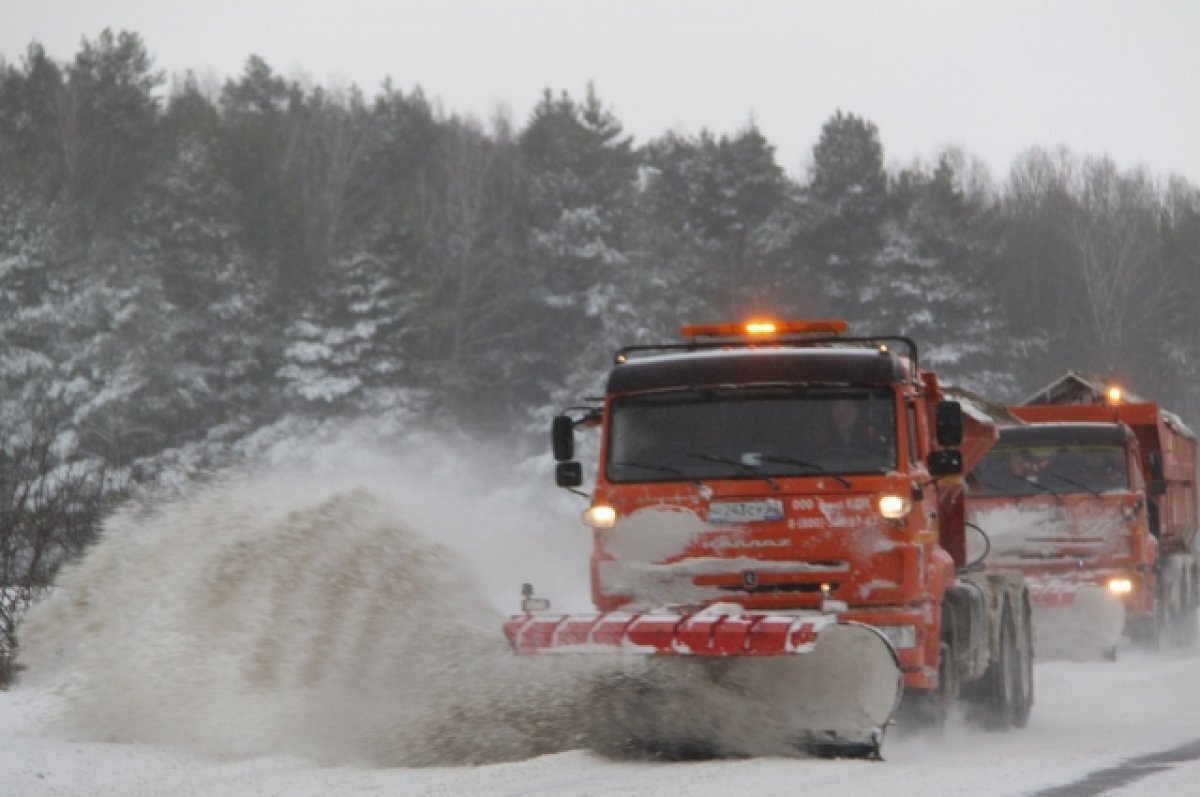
pixel 711 683
pixel 1075 622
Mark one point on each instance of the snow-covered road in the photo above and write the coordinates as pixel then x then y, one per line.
pixel 1089 718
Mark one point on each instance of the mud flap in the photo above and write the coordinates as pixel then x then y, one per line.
pixel 1082 625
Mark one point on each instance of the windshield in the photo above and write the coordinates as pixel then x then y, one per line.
pixel 1027 470
pixel 751 433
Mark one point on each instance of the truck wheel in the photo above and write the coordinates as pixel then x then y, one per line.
pixel 927 711
pixel 1183 624
pixel 947 694
pixel 1023 704
pixel 1003 696
pixel 1146 632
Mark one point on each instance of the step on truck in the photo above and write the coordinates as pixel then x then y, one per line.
pixel 779 549
pixel 1094 499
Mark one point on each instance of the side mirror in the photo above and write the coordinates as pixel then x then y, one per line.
pixel 945 463
pixel 568 474
pixel 950 425
pixel 562 438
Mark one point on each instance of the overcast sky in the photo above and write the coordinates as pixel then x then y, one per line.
pixel 1104 77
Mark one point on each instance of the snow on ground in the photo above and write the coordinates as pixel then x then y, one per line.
pixel 322 631
pixel 1089 716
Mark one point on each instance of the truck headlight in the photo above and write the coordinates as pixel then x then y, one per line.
pixel 600 516
pixel 894 507
pixel 901 636
pixel 1120 586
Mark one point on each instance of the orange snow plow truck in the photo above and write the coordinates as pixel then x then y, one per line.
pixel 1094 499
pixel 780 547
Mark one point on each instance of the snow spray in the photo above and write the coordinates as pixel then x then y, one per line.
pixel 246 621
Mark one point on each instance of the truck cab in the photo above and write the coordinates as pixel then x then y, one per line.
pixel 1064 503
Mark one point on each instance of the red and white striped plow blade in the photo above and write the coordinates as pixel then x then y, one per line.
pixel 699 634
pixel 745 684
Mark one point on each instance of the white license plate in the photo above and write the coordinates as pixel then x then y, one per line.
pixel 745 511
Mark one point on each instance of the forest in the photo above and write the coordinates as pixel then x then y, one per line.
pixel 189 271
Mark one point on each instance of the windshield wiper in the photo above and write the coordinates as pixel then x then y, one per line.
pixel 800 463
pixel 1036 484
pixel 626 463
pixel 749 470
pixel 1078 484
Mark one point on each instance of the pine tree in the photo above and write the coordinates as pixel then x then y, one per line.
pixel 28 155
pixel 720 221
pixel 344 355
pixel 107 112
pixel 258 114
pixel 930 280
pixel 847 194
pixel 215 299
pixel 581 171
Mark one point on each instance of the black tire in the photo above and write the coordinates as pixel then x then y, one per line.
pixel 1023 706
pixel 947 694
pixel 924 711
pixel 1183 626
pixel 1003 697
pixel 1147 632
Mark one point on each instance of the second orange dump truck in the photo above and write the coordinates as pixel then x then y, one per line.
pixel 1093 498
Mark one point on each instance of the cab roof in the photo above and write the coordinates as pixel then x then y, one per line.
pixel 758 366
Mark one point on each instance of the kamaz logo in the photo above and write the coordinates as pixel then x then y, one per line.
pixel 720 545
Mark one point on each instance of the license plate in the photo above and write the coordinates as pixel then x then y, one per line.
pixel 745 511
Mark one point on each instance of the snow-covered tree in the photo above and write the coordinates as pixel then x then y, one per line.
pixel 581 171
pixel 345 354
pixel 220 327
pixel 930 281
pixel 719 227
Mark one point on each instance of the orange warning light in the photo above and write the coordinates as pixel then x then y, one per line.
pixel 763 328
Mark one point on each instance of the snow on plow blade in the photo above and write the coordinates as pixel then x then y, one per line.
pixel 730 684
pixel 1075 622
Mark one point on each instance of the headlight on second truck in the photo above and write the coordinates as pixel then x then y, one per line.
pixel 1120 586
pixel 901 636
pixel 894 507
pixel 600 516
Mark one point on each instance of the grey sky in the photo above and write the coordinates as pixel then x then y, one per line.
pixel 1104 77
